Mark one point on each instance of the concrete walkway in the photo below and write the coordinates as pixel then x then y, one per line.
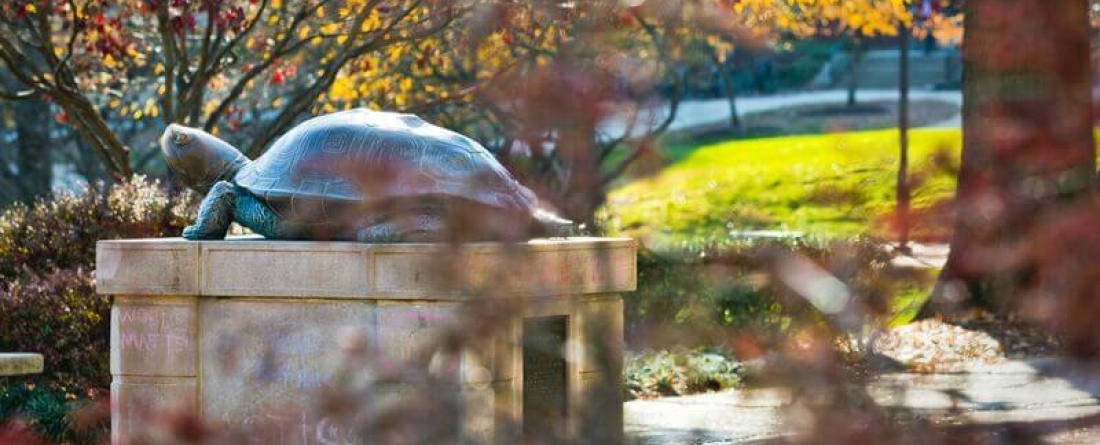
pixel 694 113
pixel 1044 396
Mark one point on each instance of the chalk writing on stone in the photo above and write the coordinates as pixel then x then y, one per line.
pixel 295 427
pixel 155 330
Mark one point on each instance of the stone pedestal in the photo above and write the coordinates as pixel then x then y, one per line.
pixel 247 332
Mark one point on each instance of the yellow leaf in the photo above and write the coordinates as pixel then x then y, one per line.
pixel 159 69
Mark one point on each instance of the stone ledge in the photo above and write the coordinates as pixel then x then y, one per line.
pixel 250 266
pixel 20 364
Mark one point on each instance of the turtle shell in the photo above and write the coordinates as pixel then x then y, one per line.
pixel 352 160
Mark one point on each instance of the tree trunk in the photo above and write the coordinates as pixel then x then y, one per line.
pixel 27 170
pixel 582 193
pixel 855 53
pixel 902 192
pixel 729 87
pixel 86 120
pixel 33 149
pixel 1027 144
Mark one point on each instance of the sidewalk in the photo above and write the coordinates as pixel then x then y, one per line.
pixel 1023 393
pixel 694 113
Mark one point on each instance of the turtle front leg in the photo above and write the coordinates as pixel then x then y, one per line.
pixel 215 213
pixel 261 219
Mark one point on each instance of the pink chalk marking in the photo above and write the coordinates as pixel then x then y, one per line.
pixel 149 342
pixel 152 317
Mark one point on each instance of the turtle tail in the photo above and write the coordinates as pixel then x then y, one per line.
pixel 551 225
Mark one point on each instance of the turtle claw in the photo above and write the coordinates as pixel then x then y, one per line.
pixel 553 226
pixel 194 232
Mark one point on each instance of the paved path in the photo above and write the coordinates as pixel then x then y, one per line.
pixel 694 113
pixel 1043 395
pixel 923 256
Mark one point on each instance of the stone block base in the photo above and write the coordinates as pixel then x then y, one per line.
pixel 314 342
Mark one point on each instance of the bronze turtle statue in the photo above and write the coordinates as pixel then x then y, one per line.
pixel 359 175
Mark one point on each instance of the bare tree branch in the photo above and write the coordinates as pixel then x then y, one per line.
pixel 18 95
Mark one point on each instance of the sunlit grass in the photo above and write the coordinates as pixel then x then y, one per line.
pixel 831 185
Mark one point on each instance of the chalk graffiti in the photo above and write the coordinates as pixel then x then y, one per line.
pixel 154 317
pixel 151 342
pixel 155 329
pixel 280 356
pixel 294 428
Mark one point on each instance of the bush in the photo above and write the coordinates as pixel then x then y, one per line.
pixel 48 302
pixel 666 373
pixel 52 415
pixel 61 232
pixel 60 316
pixel 709 295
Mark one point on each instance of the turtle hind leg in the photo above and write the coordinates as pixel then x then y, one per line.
pixel 215 213
pixel 404 228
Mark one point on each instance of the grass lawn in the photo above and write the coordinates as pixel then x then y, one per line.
pixel 826 186
pixel 830 185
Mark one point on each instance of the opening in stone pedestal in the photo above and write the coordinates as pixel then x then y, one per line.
pixel 545 381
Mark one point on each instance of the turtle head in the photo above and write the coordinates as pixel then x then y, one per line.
pixel 199 159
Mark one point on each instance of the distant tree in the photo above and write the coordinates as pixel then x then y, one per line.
pixel 250 66
pixel 855 20
pixel 1028 149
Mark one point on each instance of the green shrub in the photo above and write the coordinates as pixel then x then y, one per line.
pixel 61 232
pixel 704 295
pixel 48 302
pixel 53 415
pixel 665 373
pixel 60 316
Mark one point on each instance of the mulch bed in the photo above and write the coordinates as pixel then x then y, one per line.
pixel 953 345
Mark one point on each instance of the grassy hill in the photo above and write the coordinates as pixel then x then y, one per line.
pixel 830 185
